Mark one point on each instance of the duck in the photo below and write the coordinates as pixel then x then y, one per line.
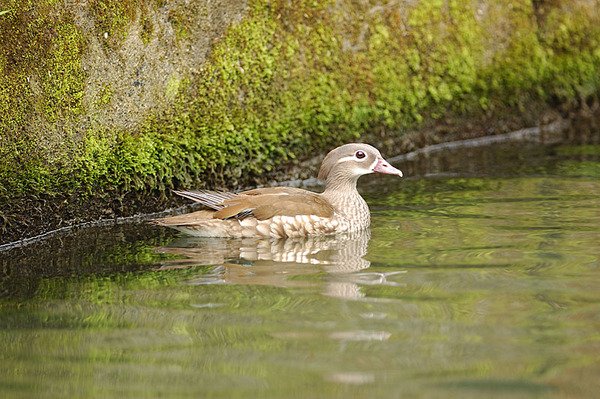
pixel 288 212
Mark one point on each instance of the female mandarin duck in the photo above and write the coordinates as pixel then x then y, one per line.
pixel 280 212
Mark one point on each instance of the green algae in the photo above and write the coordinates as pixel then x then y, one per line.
pixel 113 17
pixel 282 83
pixel 64 84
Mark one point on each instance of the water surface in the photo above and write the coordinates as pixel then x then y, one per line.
pixel 479 278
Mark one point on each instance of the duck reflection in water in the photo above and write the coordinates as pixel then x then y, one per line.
pixel 279 262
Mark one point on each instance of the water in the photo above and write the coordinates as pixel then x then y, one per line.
pixel 479 278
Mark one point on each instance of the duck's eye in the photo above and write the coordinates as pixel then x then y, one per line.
pixel 360 154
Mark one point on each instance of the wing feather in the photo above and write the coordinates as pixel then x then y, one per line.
pixel 262 203
pixel 266 206
pixel 210 199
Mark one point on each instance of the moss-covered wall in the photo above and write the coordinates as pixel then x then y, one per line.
pixel 104 100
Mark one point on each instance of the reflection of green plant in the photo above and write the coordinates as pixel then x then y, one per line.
pixel 4 12
pixel 578 150
pixel 580 169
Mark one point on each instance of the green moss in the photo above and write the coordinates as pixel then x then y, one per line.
pixel 184 16
pixel 430 65
pixel 105 95
pixel 112 18
pixel 63 85
pixel 573 46
pixel 43 86
pixel 147 28
pixel 173 85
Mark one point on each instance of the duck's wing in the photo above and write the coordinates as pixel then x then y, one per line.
pixel 210 199
pixel 278 201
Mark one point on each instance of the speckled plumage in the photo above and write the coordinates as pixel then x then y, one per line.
pixel 290 212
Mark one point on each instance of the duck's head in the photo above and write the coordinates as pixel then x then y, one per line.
pixel 350 161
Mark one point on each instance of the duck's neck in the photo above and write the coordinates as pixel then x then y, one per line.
pixel 343 195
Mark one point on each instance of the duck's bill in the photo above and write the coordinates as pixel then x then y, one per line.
pixel 384 167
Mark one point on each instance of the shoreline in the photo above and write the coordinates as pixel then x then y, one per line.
pixel 546 134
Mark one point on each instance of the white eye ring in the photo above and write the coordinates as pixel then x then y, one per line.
pixel 360 155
